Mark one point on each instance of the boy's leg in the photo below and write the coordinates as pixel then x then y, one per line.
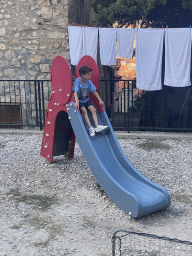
pixel 94 114
pixel 85 116
pixel 98 128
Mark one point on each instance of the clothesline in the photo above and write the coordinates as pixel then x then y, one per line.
pixel 149 49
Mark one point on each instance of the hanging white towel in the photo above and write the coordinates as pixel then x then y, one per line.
pixel 125 40
pixel 90 40
pixel 177 57
pixel 107 42
pixel 149 48
pixel 75 44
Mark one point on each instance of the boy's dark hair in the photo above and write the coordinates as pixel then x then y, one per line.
pixel 84 70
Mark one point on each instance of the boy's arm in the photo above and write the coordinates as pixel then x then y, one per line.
pixel 76 99
pixel 98 97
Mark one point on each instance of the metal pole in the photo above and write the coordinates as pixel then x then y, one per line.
pixel 37 119
pixel 43 101
pixel 39 96
pixel 124 115
pixel 128 124
pixel 113 246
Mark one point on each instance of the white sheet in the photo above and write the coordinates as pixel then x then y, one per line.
pixel 125 40
pixel 90 40
pixel 107 42
pixel 149 48
pixel 177 57
pixel 75 44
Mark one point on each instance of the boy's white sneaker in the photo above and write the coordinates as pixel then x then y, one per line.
pixel 91 132
pixel 100 128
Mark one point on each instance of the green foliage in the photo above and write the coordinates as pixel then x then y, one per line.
pixel 173 13
pixel 121 11
pixel 154 13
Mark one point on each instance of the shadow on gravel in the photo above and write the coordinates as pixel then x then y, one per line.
pixel 151 144
pixel 39 201
pixel 186 199
pixel 2 146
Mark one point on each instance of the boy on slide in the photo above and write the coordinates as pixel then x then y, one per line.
pixel 81 89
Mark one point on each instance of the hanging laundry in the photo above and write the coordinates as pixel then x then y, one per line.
pixel 107 42
pixel 149 48
pixel 75 44
pixel 177 57
pixel 125 40
pixel 90 40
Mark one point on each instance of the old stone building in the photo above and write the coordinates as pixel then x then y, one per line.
pixel 33 32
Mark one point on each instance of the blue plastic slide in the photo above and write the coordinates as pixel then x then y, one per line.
pixel 120 180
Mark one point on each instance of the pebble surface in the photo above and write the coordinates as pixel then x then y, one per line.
pixel 57 209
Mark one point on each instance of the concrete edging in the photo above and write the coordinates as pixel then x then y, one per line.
pixel 119 134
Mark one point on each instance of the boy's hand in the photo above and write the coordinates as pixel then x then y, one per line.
pixel 101 103
pixel 77 104
pixel 98 97
pixel 76 100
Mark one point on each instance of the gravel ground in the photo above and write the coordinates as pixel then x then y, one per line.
pixel 58 209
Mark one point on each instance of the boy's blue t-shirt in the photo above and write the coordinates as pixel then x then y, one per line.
pixel 83 89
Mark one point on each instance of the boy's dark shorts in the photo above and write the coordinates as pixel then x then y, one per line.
pixel 86 104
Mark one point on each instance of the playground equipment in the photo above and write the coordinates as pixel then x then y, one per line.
pixel 120 180
pixel 58 136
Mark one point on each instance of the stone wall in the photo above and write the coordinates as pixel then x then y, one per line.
pixel 32 33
